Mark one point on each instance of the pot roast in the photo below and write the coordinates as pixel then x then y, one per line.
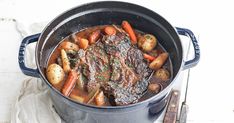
pixel 126 81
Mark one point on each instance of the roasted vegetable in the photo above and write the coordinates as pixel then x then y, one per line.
pixel 92 94
pixel 128 28
pixel 100 99
pixel 148 57
pixel 83 43
pixel 59 61
pixel 154 87
pixel 147 42
pixel 162 74
pixel 77 98
pixel 68 46
pixel 110 30
pixel 159 61
pixel 69 83
pixel 81 81
pixel 65 61
pixel 94 36
pixel 118 29
pixel 55 74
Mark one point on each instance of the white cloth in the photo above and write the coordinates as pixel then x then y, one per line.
pixel 33 104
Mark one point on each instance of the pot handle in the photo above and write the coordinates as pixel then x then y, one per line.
pixel 21 56
pixel 195 60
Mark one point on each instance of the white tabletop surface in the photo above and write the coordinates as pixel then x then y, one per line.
pixel 211 89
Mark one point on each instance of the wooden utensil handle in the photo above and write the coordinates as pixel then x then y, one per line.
pixel 172 108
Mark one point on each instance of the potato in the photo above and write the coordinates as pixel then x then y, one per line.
pixel 159 61
pixel 147 42
pixel 83 43
pixel 154 87
pixel 162 74
pixel 55 74
pixel 66 45
pixel 100 99
pixel 146 46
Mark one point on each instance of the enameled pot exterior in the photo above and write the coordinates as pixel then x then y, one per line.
pixel 102 13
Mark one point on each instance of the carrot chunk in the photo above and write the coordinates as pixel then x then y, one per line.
pixel 127 27
pixel 149 57
pixel 69 83
pixel 109 30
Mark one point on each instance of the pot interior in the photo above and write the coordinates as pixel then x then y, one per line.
pixel 104 13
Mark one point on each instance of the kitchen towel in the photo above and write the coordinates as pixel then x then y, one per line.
pixel 33 104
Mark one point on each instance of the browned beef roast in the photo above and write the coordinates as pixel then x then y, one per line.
pixel 96 66
pixel 118 67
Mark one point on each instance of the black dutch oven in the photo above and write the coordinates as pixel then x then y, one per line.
pixel 102 13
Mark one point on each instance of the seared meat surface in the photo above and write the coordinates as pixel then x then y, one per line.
pixel 118 67
pixel 96 66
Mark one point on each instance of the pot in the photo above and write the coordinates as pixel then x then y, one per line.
pixel 102 13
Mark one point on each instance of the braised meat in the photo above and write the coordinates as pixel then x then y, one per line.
pixel 96 64
pixel 118 67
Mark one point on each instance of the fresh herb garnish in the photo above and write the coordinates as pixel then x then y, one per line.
pixel 106 67
pixel 102 78
pixel 116 62
pixel 129 64
pixel 73 62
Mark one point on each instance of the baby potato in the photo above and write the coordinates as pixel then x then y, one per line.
pixel 148 42
pixel 159 61
pixel 66 45
pixel 162 74
pixel 55 74
pixel 154 87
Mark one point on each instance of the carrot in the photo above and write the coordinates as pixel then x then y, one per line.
pixel 69 83
pixel 127 27
pixel 94 36
pixel 109 30
pixel 149 57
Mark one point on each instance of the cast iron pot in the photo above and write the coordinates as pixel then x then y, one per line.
pixel 102 13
